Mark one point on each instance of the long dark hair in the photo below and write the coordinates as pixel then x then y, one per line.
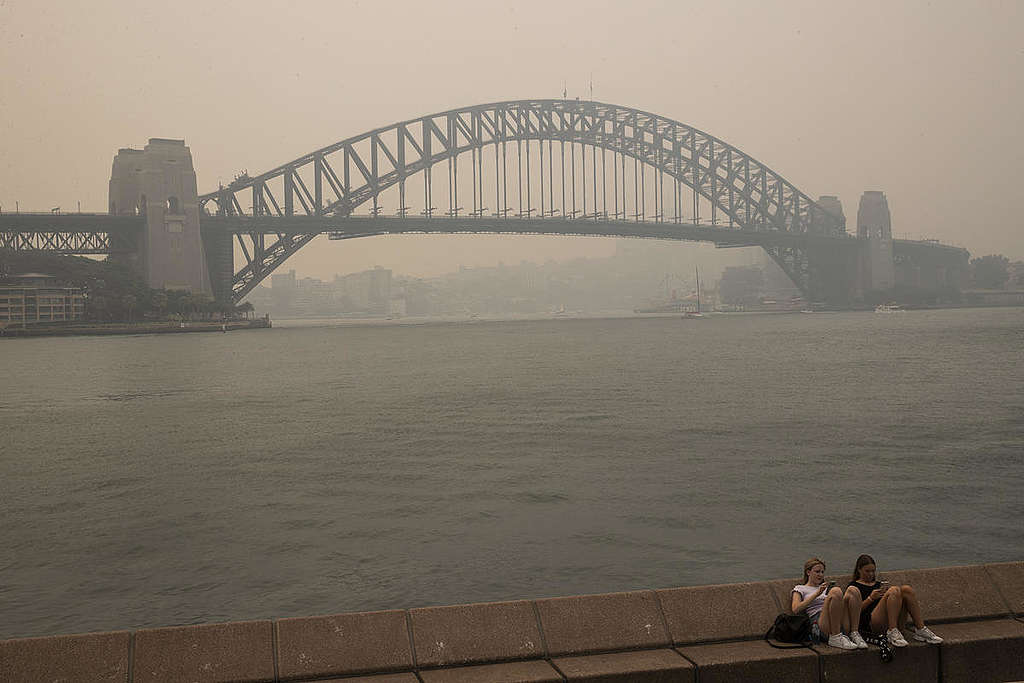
pixel 862 561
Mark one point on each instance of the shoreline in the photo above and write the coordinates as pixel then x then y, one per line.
pixel 162 327
pixel 639 635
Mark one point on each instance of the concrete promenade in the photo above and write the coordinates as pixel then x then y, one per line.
pixel 700 634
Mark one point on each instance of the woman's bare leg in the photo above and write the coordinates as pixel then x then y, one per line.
pixel 887 611
pixel 911 606
pixel 825 619
pixel 832 617
pixel 852 603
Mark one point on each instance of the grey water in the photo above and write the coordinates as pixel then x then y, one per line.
pixel 323 468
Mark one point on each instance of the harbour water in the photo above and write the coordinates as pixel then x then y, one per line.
pixel 322 468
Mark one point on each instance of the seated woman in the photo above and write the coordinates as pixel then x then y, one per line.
pixel 830 611
pixel 885 607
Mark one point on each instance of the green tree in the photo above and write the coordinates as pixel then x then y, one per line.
pixel 159 302
pixel 204 304
pixel 990 272
pixel 129 301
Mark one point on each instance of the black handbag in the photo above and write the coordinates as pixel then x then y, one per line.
pixel 789 628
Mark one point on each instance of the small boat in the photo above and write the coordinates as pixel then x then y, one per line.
pixel 889 308
pixel 695 314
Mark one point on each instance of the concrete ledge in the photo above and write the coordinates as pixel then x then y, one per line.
pixel 649 666
pixel 239 651
pixel 953 593
pixel 594 623
pixel 709 613
pixel 472 634
pixel 982 651
pixel 716 632
pixel 752 660
pixel 916 662
pixel 383 678
pixel 364 642
pixel 1008 578
pixel 509 672
pixel 101 657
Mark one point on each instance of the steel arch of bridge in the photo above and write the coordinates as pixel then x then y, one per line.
pixel 742 194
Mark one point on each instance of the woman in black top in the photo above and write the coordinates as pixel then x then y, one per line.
pixel 883 607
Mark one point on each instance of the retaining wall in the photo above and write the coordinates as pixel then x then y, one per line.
pixel 699 634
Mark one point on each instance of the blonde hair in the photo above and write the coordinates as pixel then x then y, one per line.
pixel 809 564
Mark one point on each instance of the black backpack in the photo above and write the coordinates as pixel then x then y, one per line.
pixel 790 628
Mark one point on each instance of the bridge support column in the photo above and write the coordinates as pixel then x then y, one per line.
pixel 874 228
pixel 833 273
pixel 159 182
pixel 220 258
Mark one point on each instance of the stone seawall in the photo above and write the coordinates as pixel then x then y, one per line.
pixel 698 634
pixel 73 329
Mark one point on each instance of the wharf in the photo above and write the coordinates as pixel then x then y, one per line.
pixel 695 634
pixel 162 327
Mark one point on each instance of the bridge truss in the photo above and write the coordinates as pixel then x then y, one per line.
pixel 78 233
pixel 548 163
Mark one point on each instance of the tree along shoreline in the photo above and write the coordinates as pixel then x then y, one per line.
pixel 114 293
pixel 152 327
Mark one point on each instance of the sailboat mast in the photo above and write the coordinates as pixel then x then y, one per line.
pixel 697 270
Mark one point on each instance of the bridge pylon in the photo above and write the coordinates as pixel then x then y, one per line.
pixel 159 183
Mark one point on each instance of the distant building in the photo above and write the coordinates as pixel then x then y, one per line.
pixel 368 291
pixel 32 298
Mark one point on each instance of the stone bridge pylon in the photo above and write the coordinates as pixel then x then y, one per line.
pixel 158 184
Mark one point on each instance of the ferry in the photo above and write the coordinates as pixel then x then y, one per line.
pixel 889 308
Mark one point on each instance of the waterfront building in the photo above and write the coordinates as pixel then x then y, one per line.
pixel 32 298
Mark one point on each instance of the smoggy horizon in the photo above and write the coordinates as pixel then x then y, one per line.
pixel 918 100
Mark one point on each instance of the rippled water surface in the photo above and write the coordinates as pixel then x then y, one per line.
pixel 171 479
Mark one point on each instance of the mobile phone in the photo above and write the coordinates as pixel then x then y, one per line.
pixel 830 586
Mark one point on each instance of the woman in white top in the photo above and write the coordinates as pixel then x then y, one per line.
pixel 830 610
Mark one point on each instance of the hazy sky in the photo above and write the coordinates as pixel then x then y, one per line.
pixel 921 100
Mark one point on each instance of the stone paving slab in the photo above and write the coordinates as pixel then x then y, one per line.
pixel 594 623
pixel 954 593
pixel 237 651
pixel 99 657
pixel 646 666
pixel 725 612
pixel 537 671
pixel 916 662
pixel 472 634
pixel 752 660
pixel 335 645
pixel 1008 578
pixel 981 651
pixel 383 678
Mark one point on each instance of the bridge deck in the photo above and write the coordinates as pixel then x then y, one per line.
pixel 347 227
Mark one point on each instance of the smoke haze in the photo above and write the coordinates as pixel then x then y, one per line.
pixel 921 100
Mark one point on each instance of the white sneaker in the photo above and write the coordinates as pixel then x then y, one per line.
pixel 857 640
pixel 924 634
pixel 841 641
pixel 896 638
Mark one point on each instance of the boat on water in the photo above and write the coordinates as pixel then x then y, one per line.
pixel 889 308
pixel 688 315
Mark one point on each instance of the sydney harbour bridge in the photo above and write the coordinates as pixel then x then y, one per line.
pixel 545 167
